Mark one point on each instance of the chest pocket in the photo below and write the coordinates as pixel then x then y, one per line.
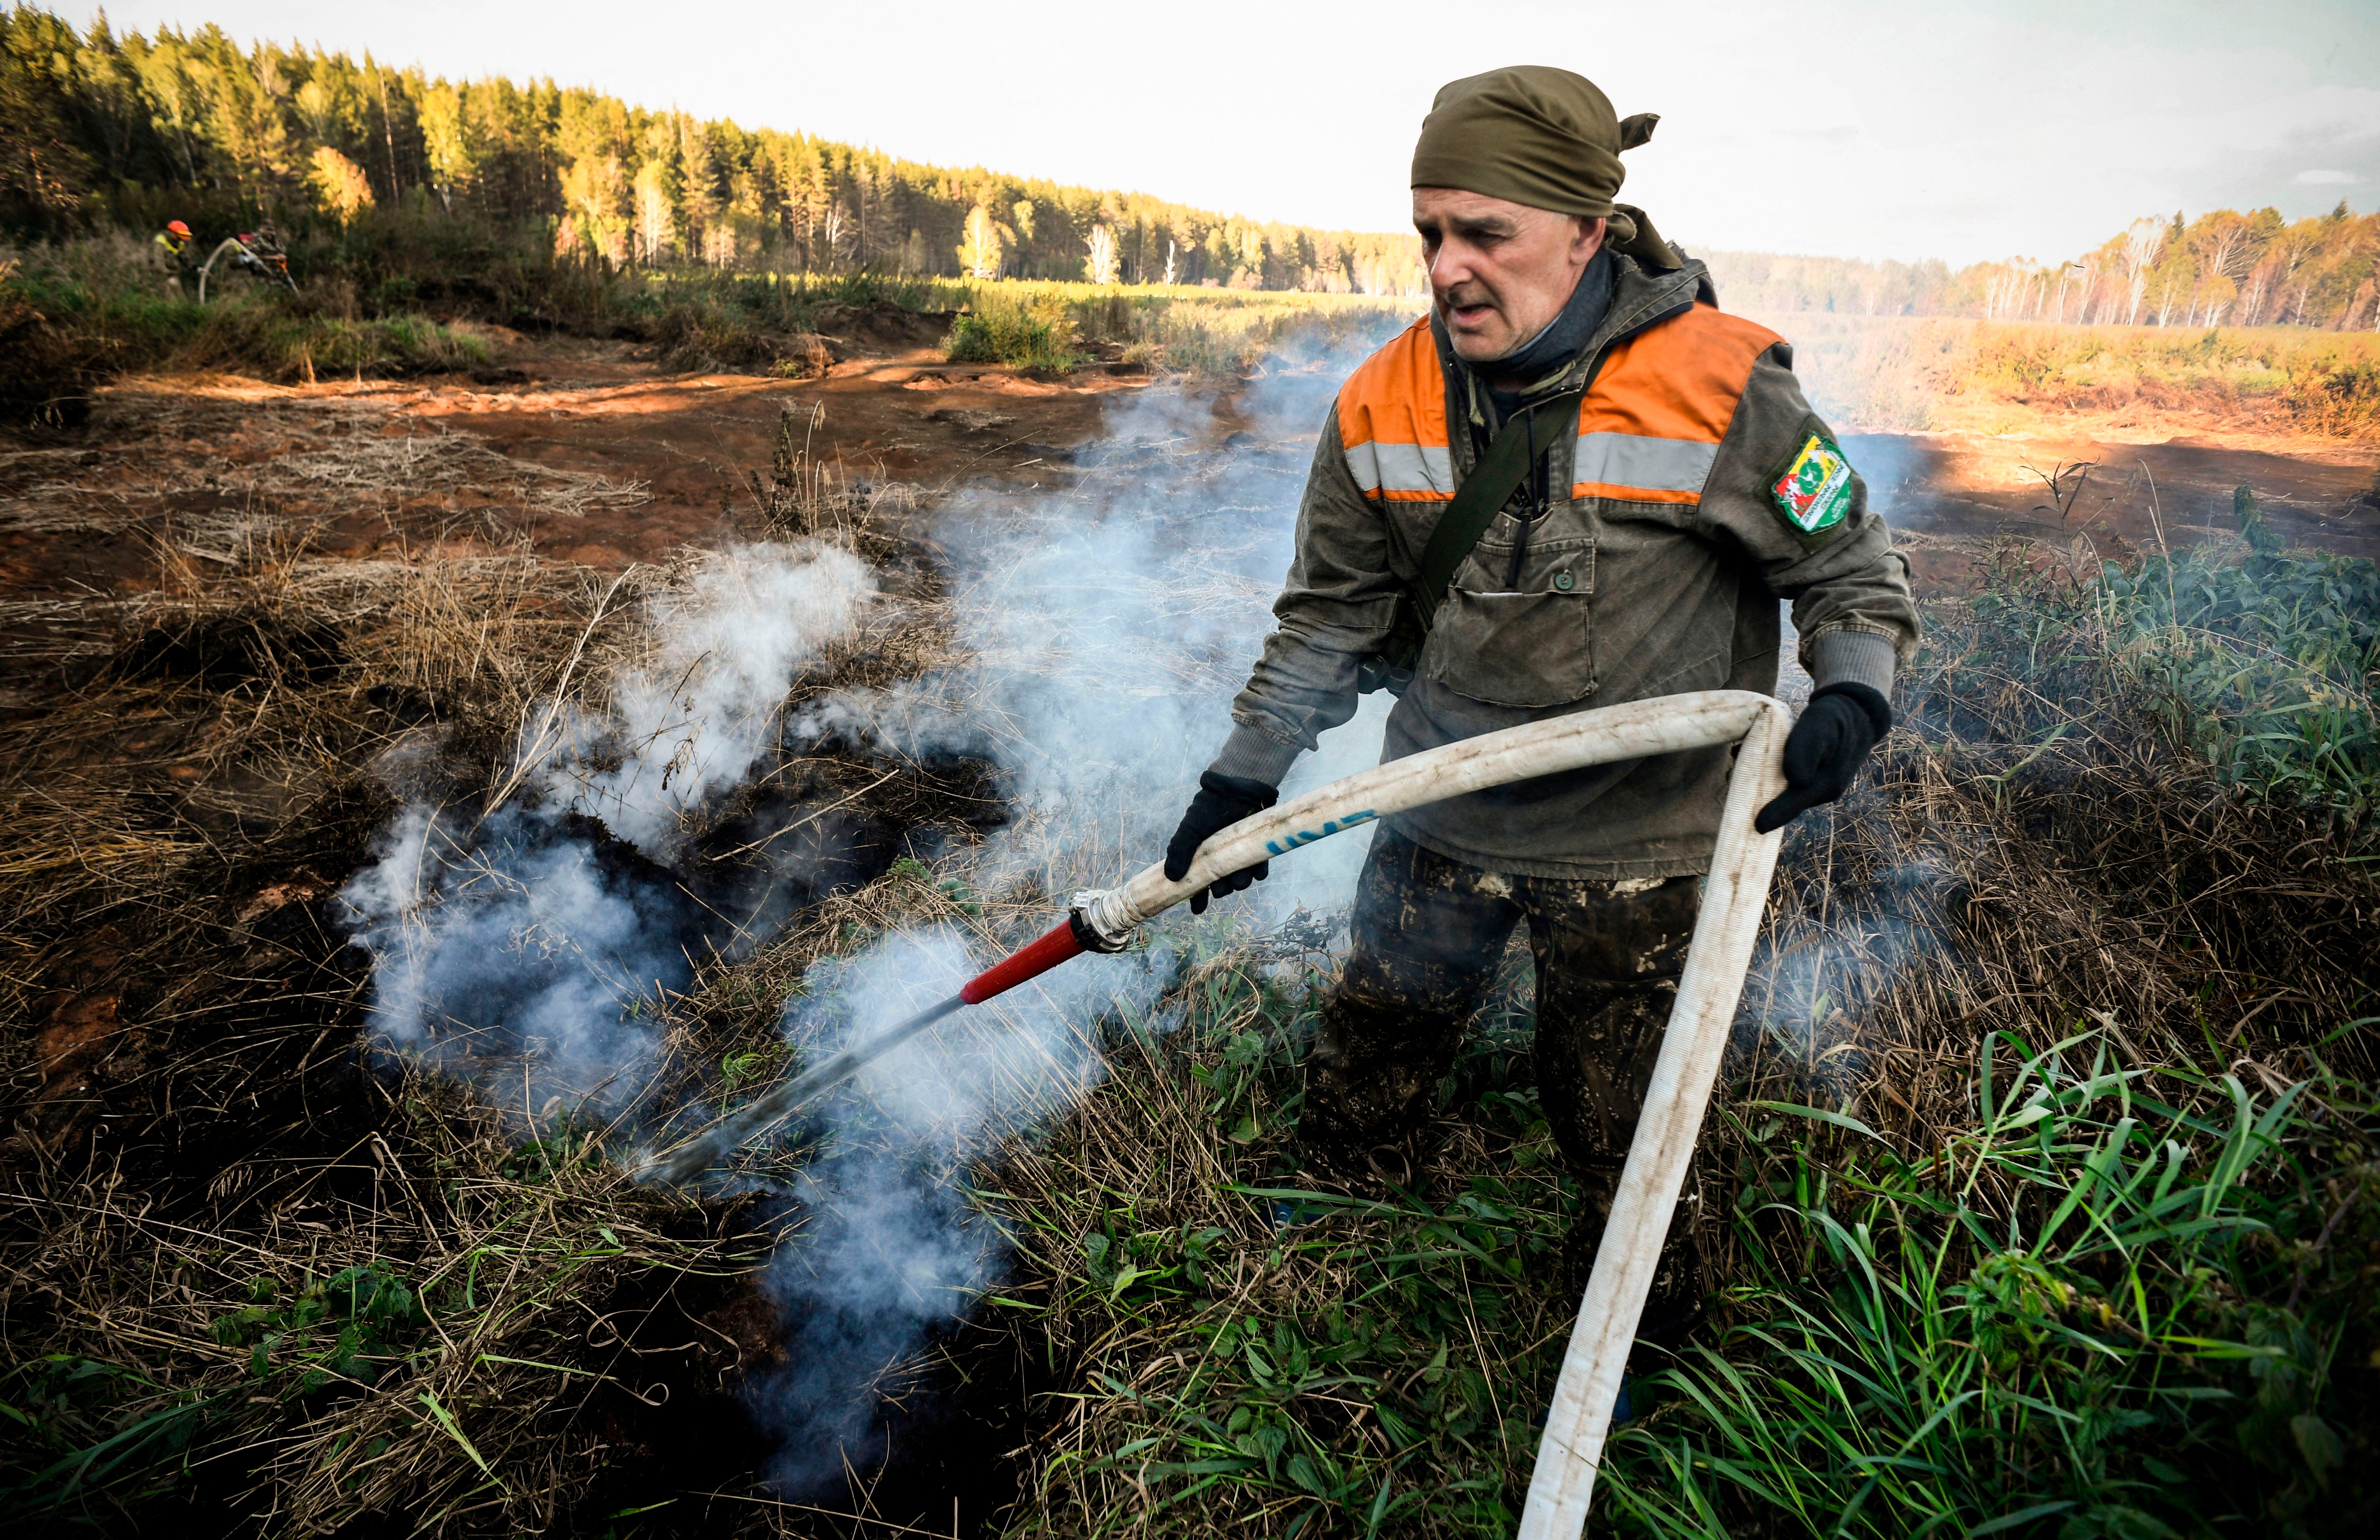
pixel 1524 641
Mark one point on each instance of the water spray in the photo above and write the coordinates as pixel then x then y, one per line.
pixel 1725 931
pixel 685 1162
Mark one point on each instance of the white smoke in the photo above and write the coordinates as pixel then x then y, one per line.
pixel 1102 634
pixel 1815 981
pixel 525 942
pixel 693 717
pixel 893 1251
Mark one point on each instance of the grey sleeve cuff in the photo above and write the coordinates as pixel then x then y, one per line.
pixel 1255 756
pixel 1841 657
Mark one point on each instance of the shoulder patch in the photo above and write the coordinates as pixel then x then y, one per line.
pixel 1811 490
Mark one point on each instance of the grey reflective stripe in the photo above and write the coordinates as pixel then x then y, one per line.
pixel 1402 467
pixel 1655 464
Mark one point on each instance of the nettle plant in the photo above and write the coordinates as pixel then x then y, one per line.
pixel 371 1318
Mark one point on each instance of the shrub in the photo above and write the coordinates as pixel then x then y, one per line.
pixel 1029 329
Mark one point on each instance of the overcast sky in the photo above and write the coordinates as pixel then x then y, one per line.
pixel 1982 129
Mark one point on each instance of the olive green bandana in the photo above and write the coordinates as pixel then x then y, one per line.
pixel 1543 136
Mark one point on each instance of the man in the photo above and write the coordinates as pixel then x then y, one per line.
pixel 1640 553
pixel 174 243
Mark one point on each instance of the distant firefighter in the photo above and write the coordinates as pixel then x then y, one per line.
pixel 173 241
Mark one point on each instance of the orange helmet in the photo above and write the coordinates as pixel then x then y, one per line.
pixel 178 228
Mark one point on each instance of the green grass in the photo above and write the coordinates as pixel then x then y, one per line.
pixel 79 311
pixel 2063 1250
pixel 2258 666
pixel 1205 332
pixel 2120 1302
pixel 1365 1362
pixel 81 1430
pixel 2265 667
pixel 73 326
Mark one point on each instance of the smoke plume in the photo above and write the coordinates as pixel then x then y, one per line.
pixel 537 940
pixel 1097 635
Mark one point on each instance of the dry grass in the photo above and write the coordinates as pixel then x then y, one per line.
pixel 481 1406
pixel 465 1316
pixel 244 1267
pixel 205 1159
pixel 1898 374
pixel 2035 860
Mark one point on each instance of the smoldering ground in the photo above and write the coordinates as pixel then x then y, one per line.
pixel 1098 638
pixel 537 937
pixel 1093 638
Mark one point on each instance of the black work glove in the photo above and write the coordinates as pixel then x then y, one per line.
pixel 1825 748
pixel 1223 801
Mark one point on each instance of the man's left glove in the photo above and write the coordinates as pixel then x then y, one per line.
pixel 1826 749
pixel 1223 801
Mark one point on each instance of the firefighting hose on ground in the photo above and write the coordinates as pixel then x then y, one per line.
pixel 1725 931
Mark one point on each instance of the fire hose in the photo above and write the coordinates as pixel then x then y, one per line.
pixel 1725 932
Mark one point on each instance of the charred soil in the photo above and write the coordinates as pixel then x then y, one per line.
pixel 239 617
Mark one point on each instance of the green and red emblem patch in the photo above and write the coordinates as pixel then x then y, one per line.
pixel 1813 491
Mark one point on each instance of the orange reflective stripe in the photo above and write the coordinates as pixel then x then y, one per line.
pixel 1392 421
pixel 1650 430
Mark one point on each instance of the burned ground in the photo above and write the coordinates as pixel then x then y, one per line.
pixel 226 605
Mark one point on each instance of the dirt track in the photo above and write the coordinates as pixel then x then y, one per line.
pixel 1945 494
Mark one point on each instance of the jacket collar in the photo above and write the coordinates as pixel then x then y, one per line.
pixel 1639 298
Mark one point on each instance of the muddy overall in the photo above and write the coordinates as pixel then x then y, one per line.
pixel 1428 934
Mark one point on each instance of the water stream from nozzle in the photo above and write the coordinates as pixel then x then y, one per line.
pixel 694 1155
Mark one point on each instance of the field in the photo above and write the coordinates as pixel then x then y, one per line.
pixel 2145 383
pixel 429 781
pixel 82 311
pixel 87 308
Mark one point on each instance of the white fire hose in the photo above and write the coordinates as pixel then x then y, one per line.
pixel 1725 931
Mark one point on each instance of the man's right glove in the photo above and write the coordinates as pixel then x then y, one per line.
pixel 1223 801
pixel 1826 749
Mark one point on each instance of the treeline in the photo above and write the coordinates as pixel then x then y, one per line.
pixel 2221 269
pixel 134 129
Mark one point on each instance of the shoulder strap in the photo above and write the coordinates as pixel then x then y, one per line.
pixel 1485 491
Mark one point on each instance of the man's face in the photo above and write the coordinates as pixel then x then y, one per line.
pixel 1500 271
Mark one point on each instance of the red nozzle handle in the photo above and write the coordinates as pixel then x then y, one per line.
pixel 1063 943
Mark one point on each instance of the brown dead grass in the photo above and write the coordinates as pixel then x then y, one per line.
pixel 193 1114
pixel 196 1122
pixel 2031 858
pixel 1911 374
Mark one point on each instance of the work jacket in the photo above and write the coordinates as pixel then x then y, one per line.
pixel 1698 488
